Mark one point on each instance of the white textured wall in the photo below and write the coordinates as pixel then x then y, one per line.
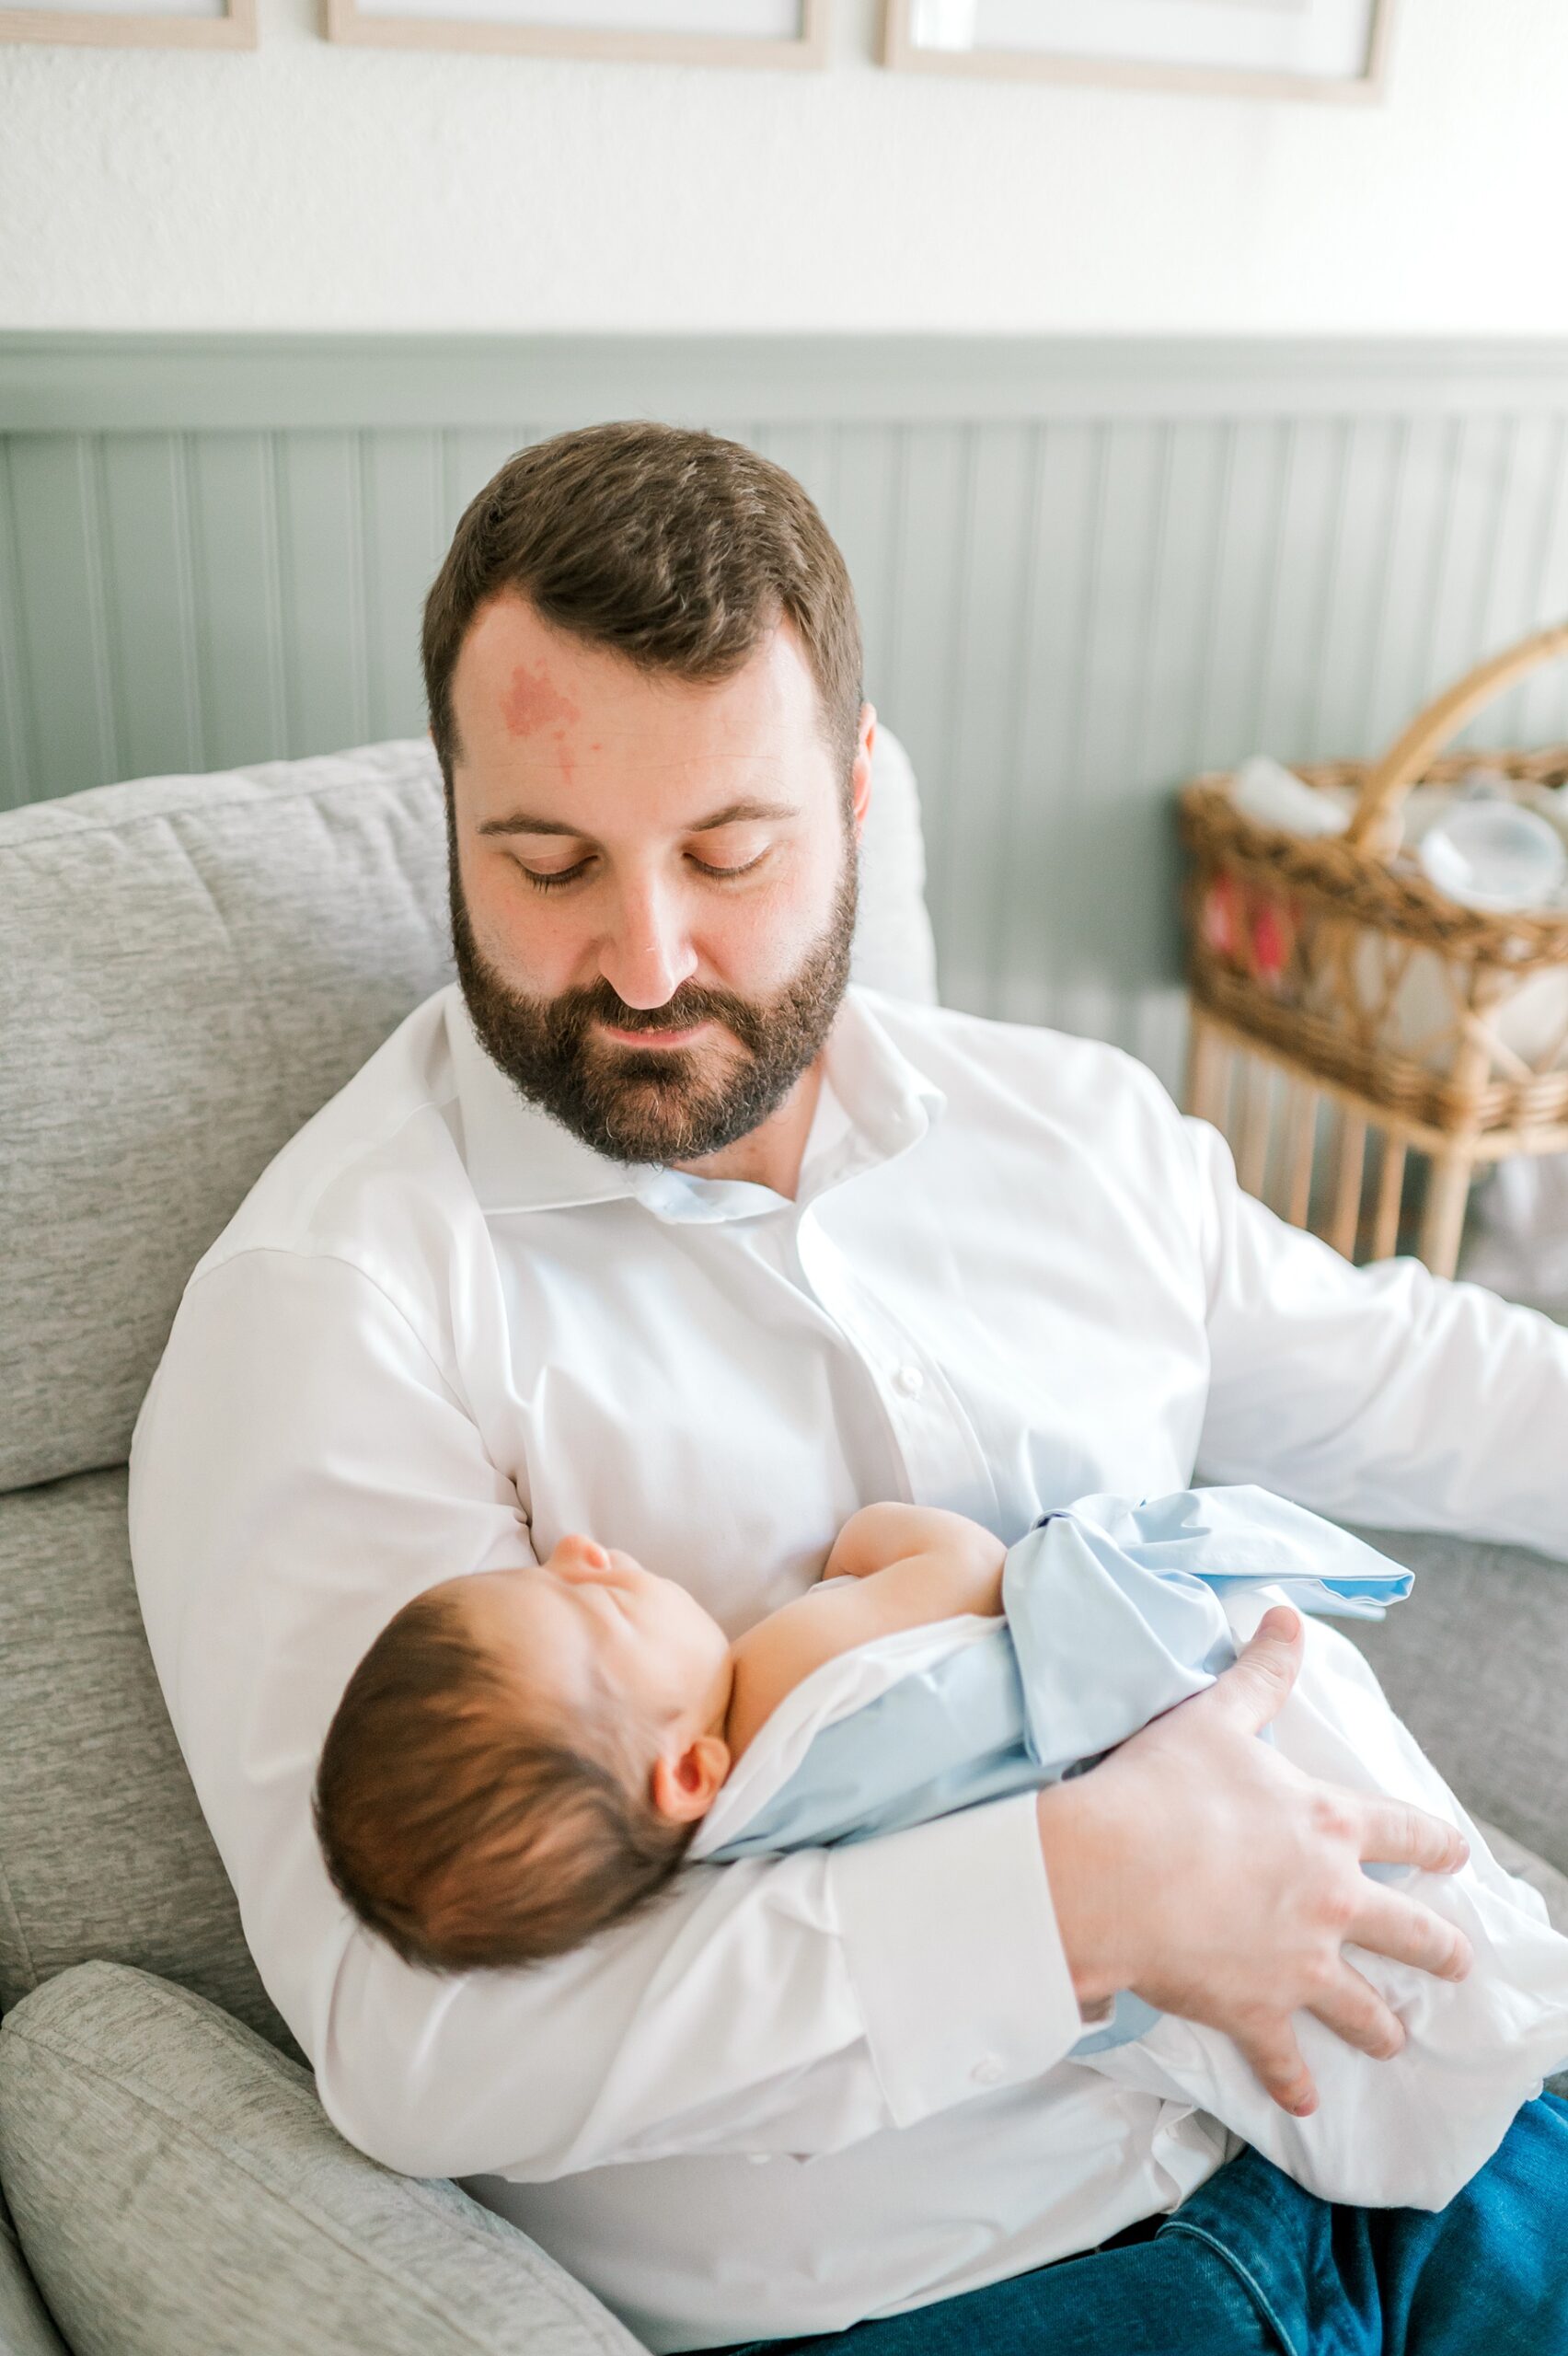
pixel 302 186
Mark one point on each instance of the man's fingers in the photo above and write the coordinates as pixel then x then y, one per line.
pixel 1353 2010
pixel 1275 2059
pixel 1394 1833
pixel 1254 1689
pixel 1407 1932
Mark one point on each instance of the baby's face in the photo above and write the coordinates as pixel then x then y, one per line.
pixel 589 1608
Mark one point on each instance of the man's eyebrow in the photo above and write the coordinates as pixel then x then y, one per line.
pixel 524 821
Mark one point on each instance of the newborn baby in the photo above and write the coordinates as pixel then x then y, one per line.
pixel 525 1757
pixel 522 1757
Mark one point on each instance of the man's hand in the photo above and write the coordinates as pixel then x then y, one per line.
pixel 1198 1869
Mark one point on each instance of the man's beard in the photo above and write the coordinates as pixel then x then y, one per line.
pixel 659 1104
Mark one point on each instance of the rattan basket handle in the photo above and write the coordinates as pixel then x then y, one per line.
pixel 1373 829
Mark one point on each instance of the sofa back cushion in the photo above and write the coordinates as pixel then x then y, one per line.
pixel 192 966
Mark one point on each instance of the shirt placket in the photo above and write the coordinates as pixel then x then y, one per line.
pixel 936 1442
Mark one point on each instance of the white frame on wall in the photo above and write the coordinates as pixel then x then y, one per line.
pixel 344 20
pixel 100 29
pixel 900 50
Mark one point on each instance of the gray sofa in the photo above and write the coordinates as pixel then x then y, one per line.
pixel 188 968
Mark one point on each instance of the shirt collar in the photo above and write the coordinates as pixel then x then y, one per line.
pixel 518 1159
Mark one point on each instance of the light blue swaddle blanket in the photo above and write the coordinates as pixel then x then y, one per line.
pixel 1113 1614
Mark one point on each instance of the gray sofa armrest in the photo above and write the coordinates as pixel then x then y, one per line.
pixel 25 2328
pixel 1476 1663
pixel 178 2188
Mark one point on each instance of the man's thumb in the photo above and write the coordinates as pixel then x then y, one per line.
pixel 1255 1686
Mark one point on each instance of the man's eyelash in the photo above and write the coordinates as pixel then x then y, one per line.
pixel 570 874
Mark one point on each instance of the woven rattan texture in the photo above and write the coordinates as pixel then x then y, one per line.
pixel 1318 982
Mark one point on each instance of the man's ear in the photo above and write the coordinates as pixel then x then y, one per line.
pixel 684 1783
pixel 860 775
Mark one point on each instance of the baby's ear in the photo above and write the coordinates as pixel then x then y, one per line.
pixel 684 1783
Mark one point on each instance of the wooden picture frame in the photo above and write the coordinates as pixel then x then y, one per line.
pixel 234 28
pixel 352 21
pixel 902 50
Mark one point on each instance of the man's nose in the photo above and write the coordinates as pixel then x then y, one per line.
pixel 647 954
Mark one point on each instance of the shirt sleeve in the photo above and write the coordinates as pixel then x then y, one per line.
pixel 1382 1394
pixel 301 1467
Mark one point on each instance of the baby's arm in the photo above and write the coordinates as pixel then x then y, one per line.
pixel 912 1565
pixel 924 1564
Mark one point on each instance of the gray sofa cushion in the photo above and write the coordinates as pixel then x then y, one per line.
pixel 180 2191
pixel 190 967
pixel 103 1848
pixel 25 2328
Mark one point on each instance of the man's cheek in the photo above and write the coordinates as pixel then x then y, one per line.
pixel 763 939
pixel 533 948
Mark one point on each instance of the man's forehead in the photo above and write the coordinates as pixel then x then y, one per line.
pixel 550 726
pixel 520 680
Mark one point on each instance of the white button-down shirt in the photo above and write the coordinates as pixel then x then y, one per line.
pixel 441 1332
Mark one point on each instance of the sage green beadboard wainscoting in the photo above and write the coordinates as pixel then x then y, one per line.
pixel 1085 570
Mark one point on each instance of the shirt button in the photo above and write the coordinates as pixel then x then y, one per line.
pixel 910 1380
pixel 759 2159
pixel 987 2073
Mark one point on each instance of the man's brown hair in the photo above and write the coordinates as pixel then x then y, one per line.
pixel 673 548
pixel 467 1823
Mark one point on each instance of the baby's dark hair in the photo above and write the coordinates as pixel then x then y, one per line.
pixel 472 1823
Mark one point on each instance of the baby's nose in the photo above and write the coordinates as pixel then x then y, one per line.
pixel 578 1552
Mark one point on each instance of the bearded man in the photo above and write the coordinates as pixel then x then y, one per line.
pixel 652 1227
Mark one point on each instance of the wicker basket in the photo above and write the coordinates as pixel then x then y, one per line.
pixel 1331 961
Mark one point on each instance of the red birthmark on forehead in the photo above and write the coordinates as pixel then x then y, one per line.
pixel 533 701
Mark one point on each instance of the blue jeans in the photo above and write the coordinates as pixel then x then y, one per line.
pixel 1250 2265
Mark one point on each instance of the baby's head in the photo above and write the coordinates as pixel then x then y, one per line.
pixel 522 1758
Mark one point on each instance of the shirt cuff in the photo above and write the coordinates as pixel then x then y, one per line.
pixel 954 1956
